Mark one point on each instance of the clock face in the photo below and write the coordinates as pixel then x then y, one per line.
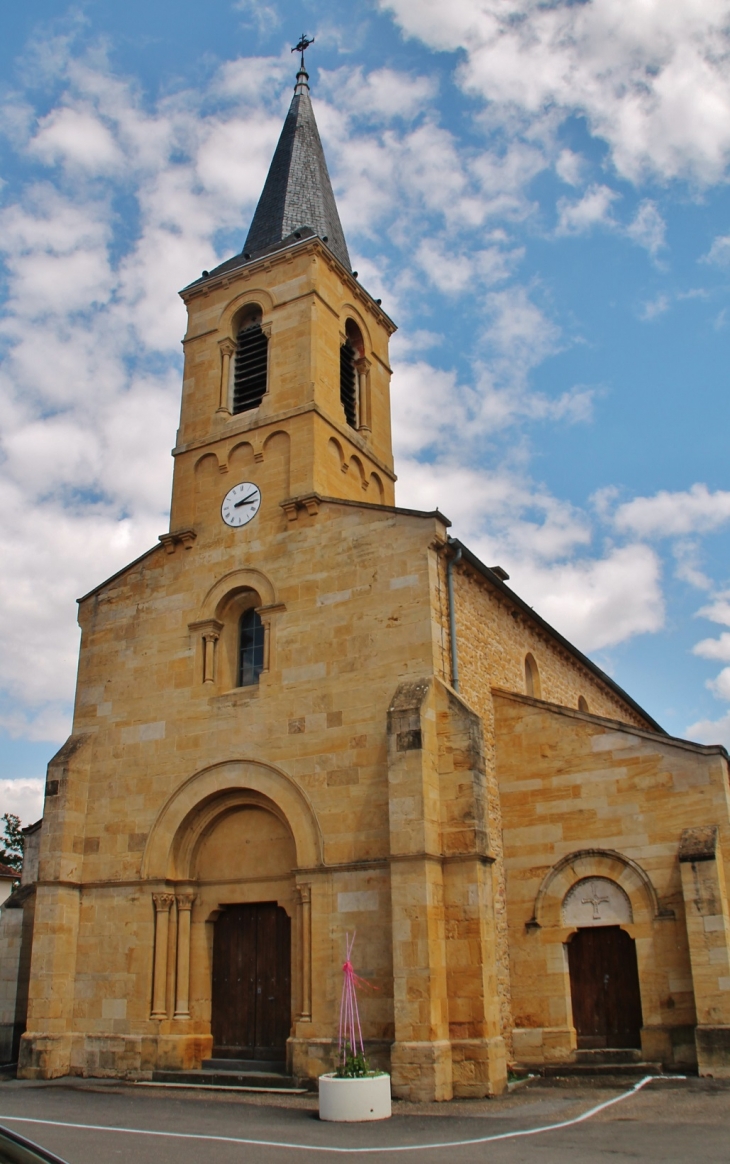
pixel 241 504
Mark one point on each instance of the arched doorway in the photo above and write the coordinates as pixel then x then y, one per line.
pixel 604 987
pixel 251 999
pixel 243 867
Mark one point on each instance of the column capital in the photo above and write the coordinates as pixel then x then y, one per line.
pixel 209 628
pixel 185 900
pixel 163 901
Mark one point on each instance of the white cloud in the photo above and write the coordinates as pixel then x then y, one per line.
pixel 687 568
pixel 714 648
pixel 710 731
pixel 23 798
pixel 383 95
pixel 719 252
pixel 648 228
pixel 720 685
pixel 569 167
pixel 653 308
pixel 77 138
pixel 593 209
pixel 666 514
pixel 718 610
pixel 600 602
pixel 650 79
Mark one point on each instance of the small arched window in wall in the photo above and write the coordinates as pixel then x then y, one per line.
pixel 249 376
pixel 582 703
pixel 532 677
pixel 351 353
pixel 250 648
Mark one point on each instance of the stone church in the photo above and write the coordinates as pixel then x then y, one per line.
pixel 307 711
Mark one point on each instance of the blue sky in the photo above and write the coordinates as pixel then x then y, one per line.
pixel 538 194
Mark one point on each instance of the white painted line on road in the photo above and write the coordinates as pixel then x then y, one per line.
pixel 325 1148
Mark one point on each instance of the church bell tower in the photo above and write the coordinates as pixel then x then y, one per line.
pixel 286 381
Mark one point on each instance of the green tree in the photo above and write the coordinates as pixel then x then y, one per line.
pixel 11 853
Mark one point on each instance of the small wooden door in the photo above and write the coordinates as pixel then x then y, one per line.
pixel 604 987
pixel 251 1012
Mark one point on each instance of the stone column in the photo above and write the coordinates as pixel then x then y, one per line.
pixel 305 893
pixel 421 1054
pixel 227 350
pixel 364 422
pixel 210 638
pixel 708 931
pixel 209 630
pixel 163 904
pixel 182 982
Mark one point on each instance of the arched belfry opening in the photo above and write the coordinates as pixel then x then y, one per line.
pixel 351 355
pixel 250 372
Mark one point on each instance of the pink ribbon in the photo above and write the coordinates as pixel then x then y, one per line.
pixel 350 1029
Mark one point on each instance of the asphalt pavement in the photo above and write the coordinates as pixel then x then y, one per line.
pixel 94 1121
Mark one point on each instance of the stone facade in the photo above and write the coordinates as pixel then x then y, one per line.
pixel 352 786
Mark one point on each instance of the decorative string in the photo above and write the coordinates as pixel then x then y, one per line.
pixel 350 1029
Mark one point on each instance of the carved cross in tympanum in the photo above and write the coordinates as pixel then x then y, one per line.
pixel 595 901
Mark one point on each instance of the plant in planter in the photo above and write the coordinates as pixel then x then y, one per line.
pixel 353 1092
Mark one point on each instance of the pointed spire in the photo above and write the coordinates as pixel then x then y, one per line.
pixel 298 192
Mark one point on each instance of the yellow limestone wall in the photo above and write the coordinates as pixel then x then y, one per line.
pixel 351 784
pixel 587 797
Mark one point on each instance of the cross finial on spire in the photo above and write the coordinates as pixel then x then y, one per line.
pixel 302 46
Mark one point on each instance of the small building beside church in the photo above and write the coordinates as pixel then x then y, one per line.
pixel 307 711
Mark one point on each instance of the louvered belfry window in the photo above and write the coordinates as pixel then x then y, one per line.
pixel 348 383
pixel 249 378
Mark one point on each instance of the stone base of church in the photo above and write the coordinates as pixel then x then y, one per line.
pixel 478 1067
pixel 109 1056
pixel 536 1045
pixel 310 1058
pixel 713 1051
pixel 673 1047
pixel 44 1056
pixel 422 1072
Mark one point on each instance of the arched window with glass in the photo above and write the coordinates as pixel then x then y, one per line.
pixel 250 648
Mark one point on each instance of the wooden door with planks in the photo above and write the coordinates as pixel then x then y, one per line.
pixel 604 987
pixel 251 1003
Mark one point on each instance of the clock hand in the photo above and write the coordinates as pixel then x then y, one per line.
pixel 238 504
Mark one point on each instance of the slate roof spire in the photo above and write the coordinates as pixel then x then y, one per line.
pixel 298 192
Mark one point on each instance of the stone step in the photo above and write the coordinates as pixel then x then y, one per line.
pixel 609 1055
pixel 620 1069
pixel 252 1080
pixel 245 1066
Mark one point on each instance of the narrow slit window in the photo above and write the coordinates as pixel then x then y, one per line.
pixel 250 648
pixel 532 678
pixel 348 383
pixel 249 376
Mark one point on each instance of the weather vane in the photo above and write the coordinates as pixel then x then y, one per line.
pixel 304 43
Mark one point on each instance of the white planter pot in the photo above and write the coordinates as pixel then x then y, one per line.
pixel 354 1100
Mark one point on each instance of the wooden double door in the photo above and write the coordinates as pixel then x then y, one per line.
pixel 251 1011
pixel 604 987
